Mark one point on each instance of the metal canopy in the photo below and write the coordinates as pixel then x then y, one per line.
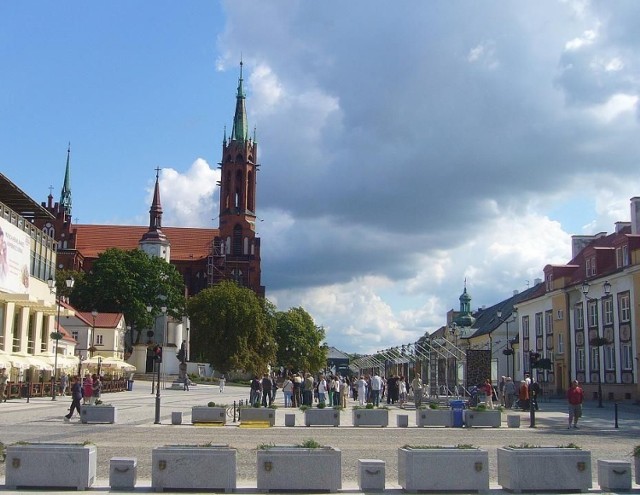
pixel 20 202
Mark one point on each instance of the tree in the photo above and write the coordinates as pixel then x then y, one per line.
pixel 127 282
pixel 300 341
pixel 232 329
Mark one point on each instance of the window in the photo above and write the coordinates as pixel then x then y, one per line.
pixel 99 340
pixel 538 324
pixel 580 359
pixel 625 255
pixel 74 334
pixel 592 313
pixel 625 313
pixel 548 322
pixel 525 327
pixel 618 257
pixel 595 362
pixel 607 305
pixel 578 316
pixel 549 282
pixel 626 356
pixel 609 357
pixel 590 264
pixel 560 346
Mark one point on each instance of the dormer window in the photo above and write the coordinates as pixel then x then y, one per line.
pixel 590 266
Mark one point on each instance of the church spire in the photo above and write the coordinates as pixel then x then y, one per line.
pixel 240 127
pixel 65 195
pixel 465 318
pixel 154 242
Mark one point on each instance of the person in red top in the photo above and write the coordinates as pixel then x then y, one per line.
pixel 575 396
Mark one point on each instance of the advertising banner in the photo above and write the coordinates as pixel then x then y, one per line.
pixel 15 250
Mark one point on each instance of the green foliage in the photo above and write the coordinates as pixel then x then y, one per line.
pixel 430 447
pixel 321 405
pixel 211 404
pixel 310 443
pixel 479 408
pixel 231 329
pixel 303 408
pixel 369 405
pixel 127 282
pixel 434 405
pixel 296 331
pixel 3 452
pixel 636 451
pixel 265 446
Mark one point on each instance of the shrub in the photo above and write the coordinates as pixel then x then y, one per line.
pixel 369 405
pixel 211 404
pixel 310 443
pixel 321 405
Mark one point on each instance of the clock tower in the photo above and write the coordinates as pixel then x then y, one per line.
pixel 236 252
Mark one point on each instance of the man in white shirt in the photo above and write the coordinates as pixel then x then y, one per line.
pixel 376 385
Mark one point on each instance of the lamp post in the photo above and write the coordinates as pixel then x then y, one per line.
pixel 94 314
pixel 57 335
pixel 599 341
pixel 509 319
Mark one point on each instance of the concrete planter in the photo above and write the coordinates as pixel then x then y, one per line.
pixel 258 414
pixel 297 468
pixel 636 461
pixel 98 414
pixel 188 467
pixel 434 417
pixel 370 417
pixel 443 469
pixel 204 414
pixel 513 420
pixel 50 465
pixel 322 417
pixel 544 468
pixel 492 418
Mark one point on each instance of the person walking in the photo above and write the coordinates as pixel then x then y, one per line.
pixel 376 388
pixel 402 391
pixel 87 388
pixel 4 378
pixel 221 382
pixel 267 385
pixel 362 391
pixel 416 386
pixel 76 397
pixel 344 391
pixel 185 383
pixel 487 388
pixel 64 384
pixel 96 389
pixel 287 391
pixel 509 393
pixel 575 397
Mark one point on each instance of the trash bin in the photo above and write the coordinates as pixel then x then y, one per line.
pixel 129 385
pixel 457 409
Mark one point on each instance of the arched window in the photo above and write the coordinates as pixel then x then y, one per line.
pixel 250 205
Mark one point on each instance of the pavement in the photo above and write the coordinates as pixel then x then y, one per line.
pixel 135 434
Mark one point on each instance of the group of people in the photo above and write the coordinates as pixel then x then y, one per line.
pixel 263 390
pixel 88 391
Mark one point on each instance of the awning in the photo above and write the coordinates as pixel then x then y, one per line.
pixel 107 363
pixel 23 360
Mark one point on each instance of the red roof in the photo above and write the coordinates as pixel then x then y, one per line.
pixel 186 243
pixel 103 320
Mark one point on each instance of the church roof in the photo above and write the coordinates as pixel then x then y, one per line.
pixel 187 244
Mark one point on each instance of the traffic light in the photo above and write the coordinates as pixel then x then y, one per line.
pixel 534 357
pixel 157 354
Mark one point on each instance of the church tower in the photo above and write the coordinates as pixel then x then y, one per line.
pixel 154 242
pixel 236 252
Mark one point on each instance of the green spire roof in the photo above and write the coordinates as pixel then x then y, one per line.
pixel 240 127
pixel 65 195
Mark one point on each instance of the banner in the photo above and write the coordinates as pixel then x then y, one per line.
pixel 15 255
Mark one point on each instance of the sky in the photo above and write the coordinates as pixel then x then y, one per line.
pixel 405 147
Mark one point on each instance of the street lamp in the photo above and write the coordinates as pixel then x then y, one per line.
pixel 94 314
pixel 57 335
pixel 599 341
pixel 510 319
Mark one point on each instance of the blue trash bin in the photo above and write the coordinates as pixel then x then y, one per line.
pixel 457 409
pixel 129 385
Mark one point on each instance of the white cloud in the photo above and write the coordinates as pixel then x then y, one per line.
pixel 588 38
pixel 614 107
pixel 188 198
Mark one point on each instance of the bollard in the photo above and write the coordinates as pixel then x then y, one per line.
pixel 615 409
pixel 234 411
pixel 532 415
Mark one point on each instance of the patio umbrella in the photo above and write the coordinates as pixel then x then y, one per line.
pixel 112 362
pixel 24 360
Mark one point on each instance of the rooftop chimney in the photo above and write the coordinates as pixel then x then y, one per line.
pixel 635 215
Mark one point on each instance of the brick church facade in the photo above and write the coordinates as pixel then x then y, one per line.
pixel 203 256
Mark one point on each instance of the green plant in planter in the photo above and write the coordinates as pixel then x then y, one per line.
pixel 321 405
pixel 310 443
pixel 434 405
pixel 636 451
pixel 479 408
pixel 3 452
pixel 422 447
pixel 273 406
pixel 338 408
pixel 266 446
pixel 369 405
pixel 257 405
pixel 303 408
pixel 211 404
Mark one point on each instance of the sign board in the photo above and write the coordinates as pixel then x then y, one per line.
pixel 15 249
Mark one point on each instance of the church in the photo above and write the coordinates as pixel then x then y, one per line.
pixel 203 256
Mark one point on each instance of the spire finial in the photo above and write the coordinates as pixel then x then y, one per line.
pixel 157 169
pixel 65 194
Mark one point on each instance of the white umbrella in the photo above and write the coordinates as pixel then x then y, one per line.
pixel 112 362
pixel 24 360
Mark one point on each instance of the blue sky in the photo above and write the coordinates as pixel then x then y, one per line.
pixel 404 147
